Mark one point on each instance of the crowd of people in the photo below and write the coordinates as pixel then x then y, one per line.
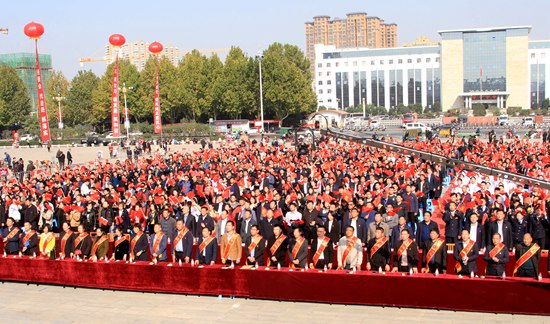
pixel 342 202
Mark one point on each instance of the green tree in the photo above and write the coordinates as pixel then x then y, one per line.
pixel 167 88
pixel 479 110
pixel 15 102
pixel 214 74
pixel 232 90
pixel 56 86
pixel 192 89
pixel 287 83
pixel 101 96
pixel 79 99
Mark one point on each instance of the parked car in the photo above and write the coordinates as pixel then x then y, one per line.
pixel 503 120
pixel 27 137
pixel 95 141
pixel 528 121
pixel 417 126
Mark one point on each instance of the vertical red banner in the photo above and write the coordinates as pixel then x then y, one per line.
pixel 156 105
pixel 42 113
pixel 115 106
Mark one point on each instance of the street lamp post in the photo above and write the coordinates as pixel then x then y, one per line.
pixel 260 57
pixel 126 120
pixel 58 99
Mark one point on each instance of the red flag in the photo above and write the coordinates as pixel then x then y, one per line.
pixel 156 105
pixel 42 113
pixel 115 108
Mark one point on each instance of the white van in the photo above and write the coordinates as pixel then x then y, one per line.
pixel 528 122
pixel 503 120
pixel 420 126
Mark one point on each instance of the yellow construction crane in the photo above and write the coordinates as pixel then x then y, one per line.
pixel 176 53
pixel 4 31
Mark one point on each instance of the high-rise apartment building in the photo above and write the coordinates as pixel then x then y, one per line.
pixel 138 53
pixel 355 31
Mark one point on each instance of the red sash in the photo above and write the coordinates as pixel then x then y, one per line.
pixel 496 250
pixel 46 241
pixel 297 247
pixel 350 246
pixel 79 238
pixel 96 245
pixel 254 243
pixel 377 246
pixel 64 241
pixel 429 256
pixel 133 244
pixel 180 236
pixel 228 247
pixel 320 250
pixel 28 237
pixel 463 254
pixel 120 240
pixel 277 243
pixel 12 233
pixel 158 239
pixel 403 247
pixel 205 243
pixel 526 256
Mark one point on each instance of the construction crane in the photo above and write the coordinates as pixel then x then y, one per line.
pixel 174 53
pixel 4 31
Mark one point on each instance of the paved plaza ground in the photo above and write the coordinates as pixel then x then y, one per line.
pixel 44 303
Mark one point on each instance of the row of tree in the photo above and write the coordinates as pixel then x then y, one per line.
pixel 197 89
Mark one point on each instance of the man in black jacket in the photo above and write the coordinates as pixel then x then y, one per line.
pixel 207 248
pixel 30 214
pixel 434 254
pixel 322 251
pixel 406 254
pixel 503 227
pixel 378 252
pixel 496 256
pixel 453 223
pixel 527 258
pixel 254 247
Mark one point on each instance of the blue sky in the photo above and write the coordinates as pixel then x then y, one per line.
pixel 77 29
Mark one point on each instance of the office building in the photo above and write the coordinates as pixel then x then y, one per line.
pixel 492 66
pixel 138 53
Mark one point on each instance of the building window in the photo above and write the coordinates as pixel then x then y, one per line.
pixel 329 90
pixel 428 60
pixel 320 65
pixel 320 82
pixel 400 61
pixel 320 100
pixel 319 74
pixel 328 73
pixel 381 62
pixel 532 55
pixel 409 60
pixel 337 64
pixel 437 59
pixel 328 64
pixel 371 62
pixel 329 82
pixel 346 64
pixel 329 100
pixel 484 61
pixel 354 63
pixel 320 91
pixel 391 61
pixel 418 60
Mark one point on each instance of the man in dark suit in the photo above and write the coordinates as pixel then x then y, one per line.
pixel 424 229
pixel 496 256
pixel 267 224
pixel 139 244
pixel 477 231
pixel 527 258
pixel 255 247
pixel 466 254
pixel 503 227
pixel 332 228
pixel 411 201
pixel 246 223
pixel 434 254
pixel 312 220
pixel 406 254
pixel 297 249
pixel 158 243
pixel 453 223
pixel 378 251
pixel 322 252
pixel 432 183
pixel 188 218
pixel 204 220
pixel 30 214
pixel 10 236
pixel 358 224
pixel 207 248
pixel 396 231
pixel 182 243
pixel 277 247
pixel 520 226
pixel 423 189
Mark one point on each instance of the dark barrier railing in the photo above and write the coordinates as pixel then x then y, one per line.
pixel 446 161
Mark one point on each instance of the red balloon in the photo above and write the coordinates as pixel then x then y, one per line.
pixel 33 30
pixel 155 47
pixel 117 40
